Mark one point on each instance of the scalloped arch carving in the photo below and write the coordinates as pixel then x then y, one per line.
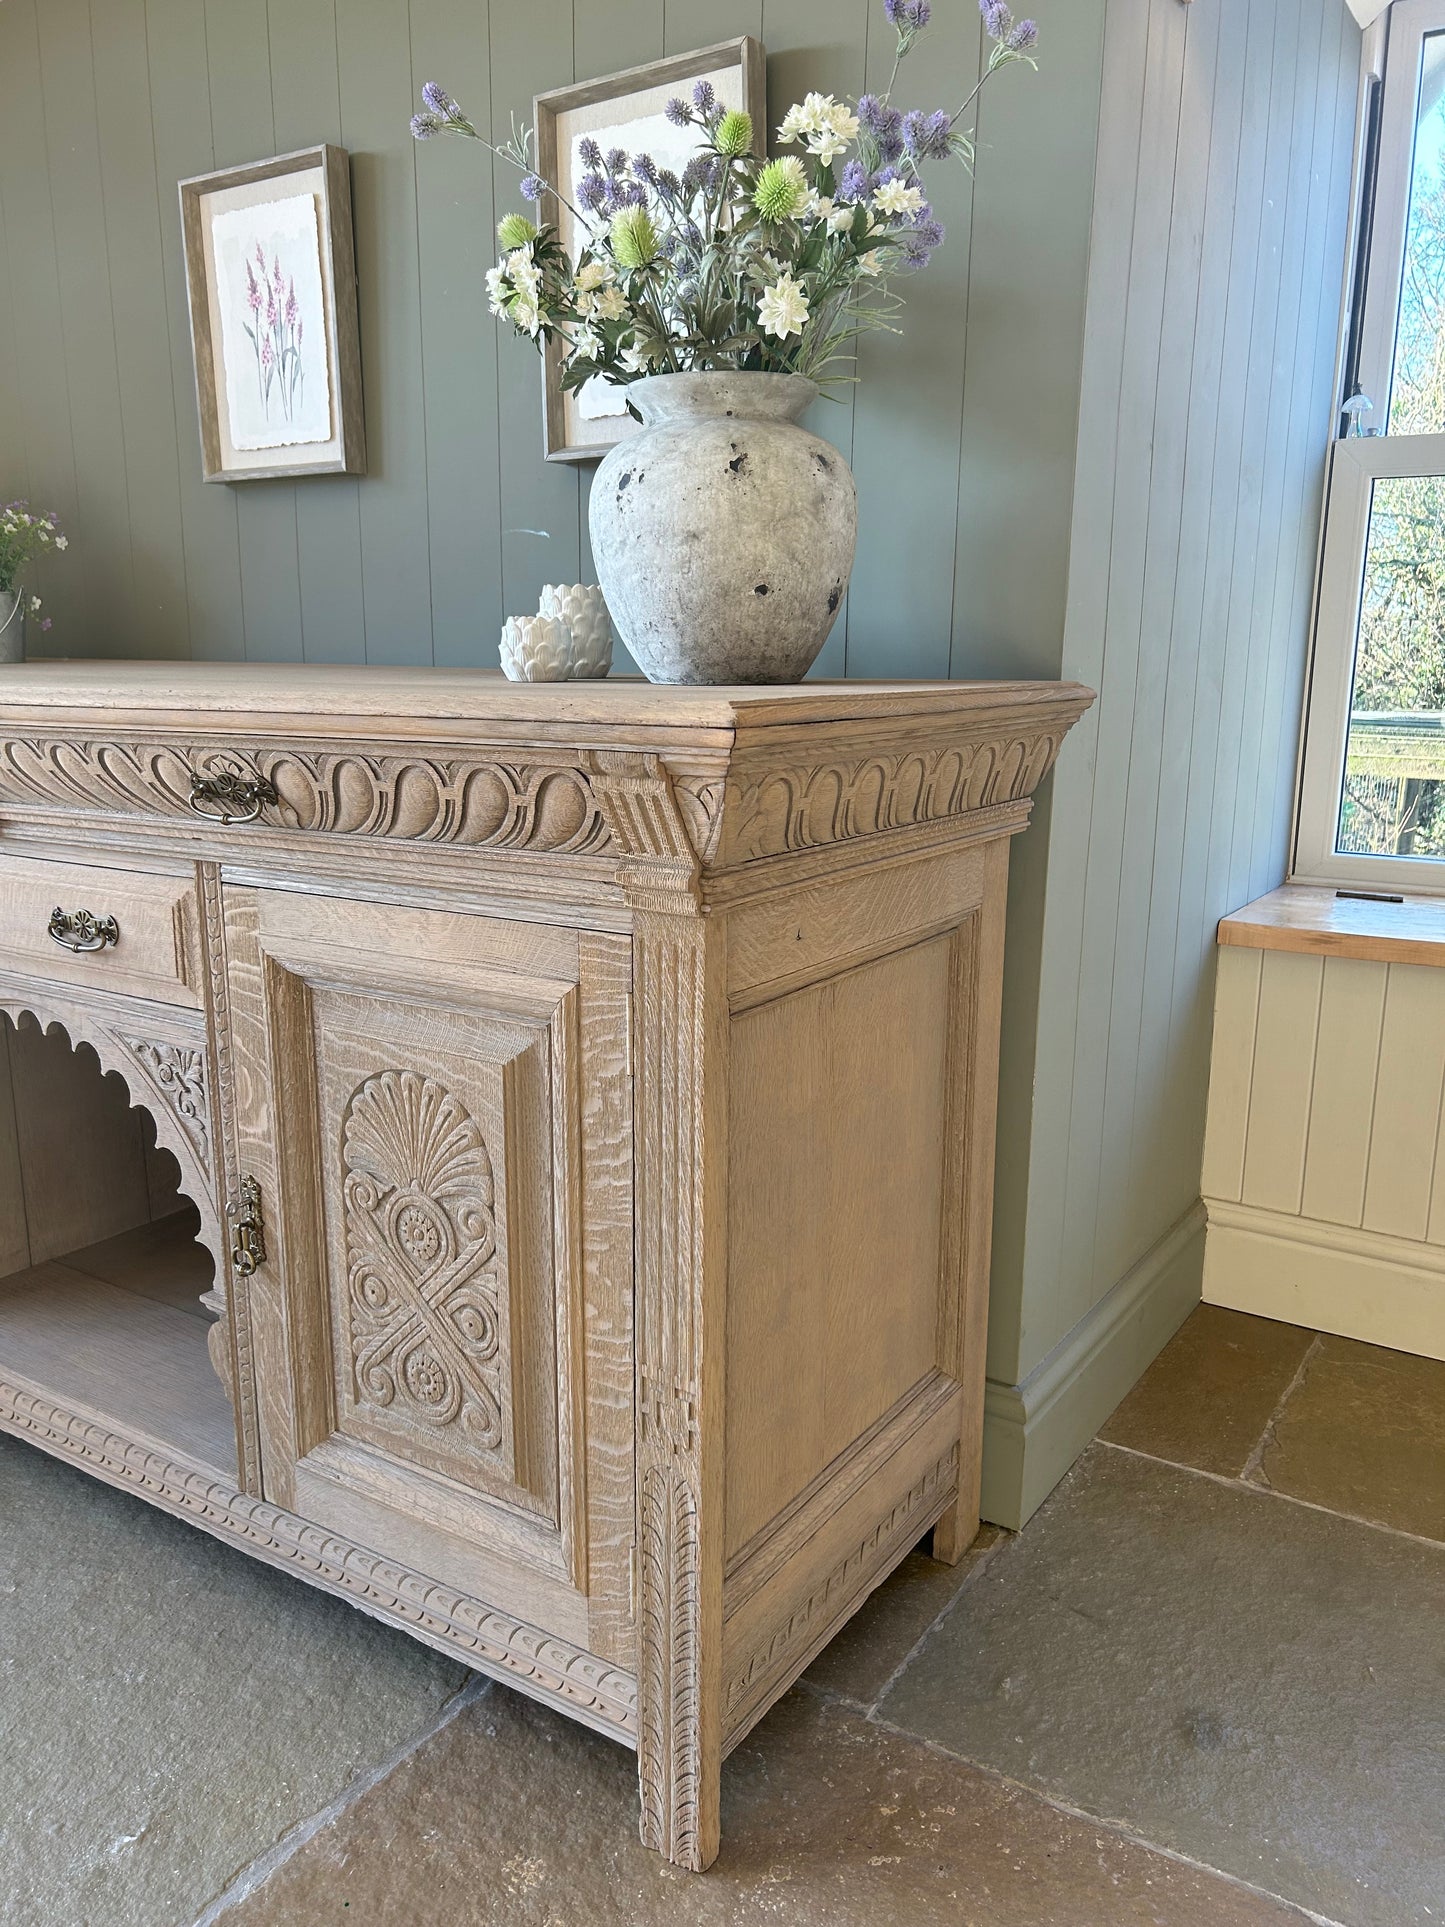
pixel 163 1077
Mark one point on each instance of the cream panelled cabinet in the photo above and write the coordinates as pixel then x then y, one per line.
pixel 586 1097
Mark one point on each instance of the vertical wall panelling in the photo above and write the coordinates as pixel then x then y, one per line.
pixel 101 589
pixel 531 50
pixel 1403 1132
pixel 1342 1100
pixel 180 100
pixel 1324 1159
pixel 143 355
pixel 306 104
pixel 376 104
pixel 239 52
pixel 43 397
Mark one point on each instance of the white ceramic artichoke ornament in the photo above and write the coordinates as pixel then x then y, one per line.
pixel 581 607
pixel 536 649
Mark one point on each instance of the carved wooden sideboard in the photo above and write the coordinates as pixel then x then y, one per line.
pixel 586 1093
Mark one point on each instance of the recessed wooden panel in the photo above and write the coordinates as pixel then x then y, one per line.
pixel 440 1274
pixel 838 1104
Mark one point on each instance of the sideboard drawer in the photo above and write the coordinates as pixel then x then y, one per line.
pixel 135 932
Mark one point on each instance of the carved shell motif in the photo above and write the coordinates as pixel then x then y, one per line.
pixel 421 1243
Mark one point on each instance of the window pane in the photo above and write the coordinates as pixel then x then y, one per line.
pixel 1393 802
pixel 1417 400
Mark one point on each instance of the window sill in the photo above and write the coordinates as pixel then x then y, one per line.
pixel 1315 921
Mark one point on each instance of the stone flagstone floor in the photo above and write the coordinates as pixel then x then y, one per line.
pixel 1204 1687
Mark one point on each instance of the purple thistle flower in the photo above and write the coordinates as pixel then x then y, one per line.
pixel 588 152
pixel 678 112
pixel 440 101
pixel 591 192
pixel 920 242
pixel 668 185
pixel 644 168
pixel 703 97
pixel 853 182
pixel 424 126
pixel 533 187
pixel 927 136
pixel 909 16
pixel 997 18
pixel 616 160
pixel 1023 35
pixel 694 177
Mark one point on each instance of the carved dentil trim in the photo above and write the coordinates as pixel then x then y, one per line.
pixel 475 801
pixel 421 1244
pixel 834 1595
pixel 800 809
pixel 498 1642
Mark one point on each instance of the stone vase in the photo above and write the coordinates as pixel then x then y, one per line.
pixel 12 626
pixel 723 533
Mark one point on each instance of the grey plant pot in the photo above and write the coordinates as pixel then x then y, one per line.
pixel 12 626
pixel 723 533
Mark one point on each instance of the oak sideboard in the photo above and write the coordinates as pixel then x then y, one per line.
pixel 542 1190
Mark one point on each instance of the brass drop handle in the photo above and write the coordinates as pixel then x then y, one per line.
pixel 249 1250
pixel 77 930
pixel 237 798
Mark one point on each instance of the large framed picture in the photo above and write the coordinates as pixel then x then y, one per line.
pixel 625 110
pixel 271 277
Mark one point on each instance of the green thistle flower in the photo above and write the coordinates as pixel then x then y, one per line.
pixel 515 231
pixel 781 190
pixel 634 238
pixel 733 135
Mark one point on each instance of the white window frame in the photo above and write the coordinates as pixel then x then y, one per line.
pixel 1394 52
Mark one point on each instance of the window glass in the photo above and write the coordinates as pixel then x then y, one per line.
pixel 1417 399
pixel 1393 802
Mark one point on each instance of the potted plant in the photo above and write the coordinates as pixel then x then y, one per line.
pixel 724 298
pixel 23 536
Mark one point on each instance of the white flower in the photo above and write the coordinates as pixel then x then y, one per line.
pixel 523 272
pixel 62 542
pixel 898 197
pixel 588 344
pixel 783 309
pixel 525 311
pixel 635 360
pixel 869 262
pixel 610 304
pixel 35 605
pixel 591 277
pixel 840 219
pixel 497 290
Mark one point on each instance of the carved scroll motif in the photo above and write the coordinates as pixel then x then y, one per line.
pixel 178 1073
pixel 421 1242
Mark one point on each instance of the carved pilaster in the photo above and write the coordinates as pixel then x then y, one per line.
pixel 679 1019
pixel 232 1346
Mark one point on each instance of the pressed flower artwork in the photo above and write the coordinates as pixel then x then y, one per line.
pixel 273 335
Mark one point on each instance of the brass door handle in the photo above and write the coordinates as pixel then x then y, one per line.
pixel 77 930
pixel 249 1250
pixel 238 798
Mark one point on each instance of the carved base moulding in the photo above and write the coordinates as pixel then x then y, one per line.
pixel 587 1093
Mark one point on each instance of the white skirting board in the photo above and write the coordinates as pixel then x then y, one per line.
pixel 1359 1284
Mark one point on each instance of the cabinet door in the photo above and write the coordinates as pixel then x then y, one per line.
pixel 436 1108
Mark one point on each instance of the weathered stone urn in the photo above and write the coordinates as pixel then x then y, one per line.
pixel 723 533
pixel 12 626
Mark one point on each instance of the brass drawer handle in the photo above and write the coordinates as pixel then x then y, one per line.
pixel 239 798
pixel 78 930
pixel 249 1250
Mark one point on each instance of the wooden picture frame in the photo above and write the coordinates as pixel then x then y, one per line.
pixel 603 108
pixel 275 418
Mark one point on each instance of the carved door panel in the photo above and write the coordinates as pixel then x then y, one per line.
pixel 444 1173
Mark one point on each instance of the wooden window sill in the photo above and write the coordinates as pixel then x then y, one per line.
pixel 1318 922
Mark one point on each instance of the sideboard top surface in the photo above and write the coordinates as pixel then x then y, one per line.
pixel 318 695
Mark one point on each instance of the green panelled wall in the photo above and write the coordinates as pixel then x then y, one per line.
pixel 965 434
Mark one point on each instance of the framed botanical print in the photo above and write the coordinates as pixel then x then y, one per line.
pixel 271 278
pixel 625 110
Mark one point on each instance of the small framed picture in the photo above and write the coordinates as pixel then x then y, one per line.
pixel 271 277
pixel 626 111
